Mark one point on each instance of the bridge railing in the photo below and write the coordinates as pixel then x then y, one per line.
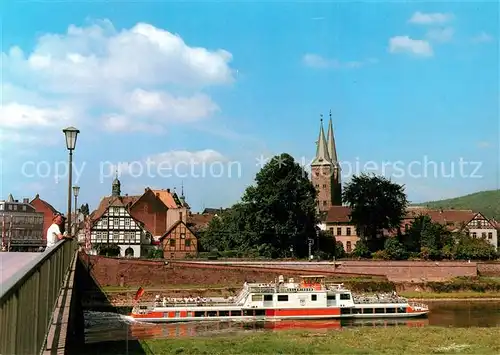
pixel 28 299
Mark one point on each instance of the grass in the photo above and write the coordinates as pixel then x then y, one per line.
pixel 485 202
pixel 388 341
pixel 449 295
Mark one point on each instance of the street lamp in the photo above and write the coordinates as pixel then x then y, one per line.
pixel 76 191
pixel 71 134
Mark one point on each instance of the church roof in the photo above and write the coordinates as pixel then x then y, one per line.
pixel 322 156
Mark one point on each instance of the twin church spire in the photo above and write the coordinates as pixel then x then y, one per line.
pixel 326 151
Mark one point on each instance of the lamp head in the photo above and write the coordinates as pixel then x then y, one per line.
pixel 71 134
pixel 76 190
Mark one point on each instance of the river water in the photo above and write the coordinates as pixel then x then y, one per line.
pixel 104 326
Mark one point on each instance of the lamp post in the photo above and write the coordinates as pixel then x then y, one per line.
pixel 76 191
pixel 71 134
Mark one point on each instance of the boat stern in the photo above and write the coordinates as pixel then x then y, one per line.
pixel 418 309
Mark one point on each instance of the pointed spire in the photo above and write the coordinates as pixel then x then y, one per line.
pixel 322 156
pixel 182 188
pixel 332 149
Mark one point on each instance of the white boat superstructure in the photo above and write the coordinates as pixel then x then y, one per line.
pixel 310 298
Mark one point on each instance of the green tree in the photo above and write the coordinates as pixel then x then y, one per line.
pixel 395 250
pixel 377 204
pixel 468 247
pixel 275 214
pixel 361 250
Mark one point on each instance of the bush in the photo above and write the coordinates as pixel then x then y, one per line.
pixel 380 255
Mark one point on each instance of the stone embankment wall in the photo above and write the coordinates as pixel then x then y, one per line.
pixel 397 271
pixel 131 272
pixel 489 269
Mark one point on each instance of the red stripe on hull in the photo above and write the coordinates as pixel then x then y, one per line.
pixel 303 312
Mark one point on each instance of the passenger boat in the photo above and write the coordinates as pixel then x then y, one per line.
pixel 311 298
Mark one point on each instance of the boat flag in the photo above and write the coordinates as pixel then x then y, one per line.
pixel 139 293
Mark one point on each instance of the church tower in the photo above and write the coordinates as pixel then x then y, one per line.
pixel 116 187
pixel 325 169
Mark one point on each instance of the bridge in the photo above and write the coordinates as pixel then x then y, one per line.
pixel 39 307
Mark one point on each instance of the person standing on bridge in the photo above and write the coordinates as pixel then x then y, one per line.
pixel 54 232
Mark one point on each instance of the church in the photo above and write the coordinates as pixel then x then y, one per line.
pixel 326 170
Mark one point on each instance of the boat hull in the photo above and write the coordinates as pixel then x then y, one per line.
pixel 288 316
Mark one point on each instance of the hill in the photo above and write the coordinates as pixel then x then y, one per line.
pixel 486 202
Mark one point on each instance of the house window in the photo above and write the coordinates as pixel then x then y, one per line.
pixel 116 222
pixel 324 186
pixel 348 247
pixel 490 235
pixel 146 208
pixel 483 235
pixel 407 227
pixel 331 231
pixel 172 242
pixel 474 235
pixel 339 231
pixel 187 243
pixel 127 222
pixel 324 203
pixel 183 235
pixel 348 232
pixel 180 216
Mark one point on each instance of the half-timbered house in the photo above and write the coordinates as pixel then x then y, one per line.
pixel 179 241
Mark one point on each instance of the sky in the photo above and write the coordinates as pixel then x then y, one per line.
pixel 199 95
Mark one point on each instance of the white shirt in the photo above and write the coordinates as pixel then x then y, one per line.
pixel 52 234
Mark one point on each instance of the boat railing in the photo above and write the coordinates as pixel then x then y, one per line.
pixel 360 299
pixel 418 305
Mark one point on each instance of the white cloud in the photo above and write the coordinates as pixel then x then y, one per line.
pixel 484 144
pixel 430 18
pixel 174 161
pixel 483 37
pixel 405 44
pixel 317 61
pixel 444 34
pixel 136 79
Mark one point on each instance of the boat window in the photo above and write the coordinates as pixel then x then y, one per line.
pixel 401 310
pixel 260 312
pixel 248 312
pixel 345 296
pixel 224 313
pixel 314 297
pixel 177 314
pixel 390 310
pixel 190 314
pixel 143 307
pixel 199 314
pixel 212 314
pixel 356 311
pixel 330 297
pixel 235 313
pixel 282 298
pixel 345 311
pixel 268 297
pixel 379 310
pixel 368 310
pixel 257 297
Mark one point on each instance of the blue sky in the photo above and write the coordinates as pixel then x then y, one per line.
pixel 222 84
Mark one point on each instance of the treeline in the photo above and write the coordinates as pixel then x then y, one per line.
pixel 277 218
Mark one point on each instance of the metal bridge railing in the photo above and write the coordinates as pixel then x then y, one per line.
pixel 28 298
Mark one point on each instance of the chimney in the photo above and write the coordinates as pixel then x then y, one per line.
pixel 26 200
pixel 168 190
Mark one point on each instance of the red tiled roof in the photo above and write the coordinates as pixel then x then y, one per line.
pixel 166 197
pixel 338 214
pixel 198 221
pixel 113 201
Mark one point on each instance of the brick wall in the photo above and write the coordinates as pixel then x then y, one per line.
pixel 489 269
pixel 129 272
pixel 394 270
pixel 111 271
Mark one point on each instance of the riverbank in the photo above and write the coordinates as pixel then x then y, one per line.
pixel 452 296
pixel 388 341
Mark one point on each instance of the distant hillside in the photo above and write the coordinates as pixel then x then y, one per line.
pixel 486 202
